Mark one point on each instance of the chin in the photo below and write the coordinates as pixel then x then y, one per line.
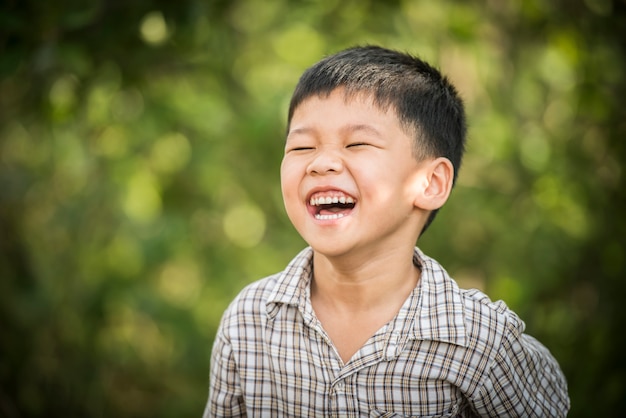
pixel 330 250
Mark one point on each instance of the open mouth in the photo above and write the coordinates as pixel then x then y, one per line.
pixel 331 205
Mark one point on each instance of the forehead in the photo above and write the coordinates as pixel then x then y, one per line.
pixel 342 102
pixel 342 98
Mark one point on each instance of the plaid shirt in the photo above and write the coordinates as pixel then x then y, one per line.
pixel 448 353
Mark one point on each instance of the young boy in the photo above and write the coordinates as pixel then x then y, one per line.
pixel 362 323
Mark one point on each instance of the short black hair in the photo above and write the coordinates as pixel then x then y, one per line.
pixel 427 104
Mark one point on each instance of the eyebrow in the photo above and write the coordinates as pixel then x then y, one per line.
pixel 348 129
pixel 299 131
pixel 361 127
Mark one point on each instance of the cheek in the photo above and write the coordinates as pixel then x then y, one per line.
pixel 285 176
pixel 378 184
pixel 288 184
pixel 290 172
pixel 291 199
pixel 370 177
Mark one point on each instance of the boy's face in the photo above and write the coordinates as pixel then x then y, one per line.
pixel 348 176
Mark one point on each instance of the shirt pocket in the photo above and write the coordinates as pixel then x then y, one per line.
pixel 455 411
pixel 383 414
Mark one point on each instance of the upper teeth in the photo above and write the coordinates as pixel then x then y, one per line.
pixel 316 201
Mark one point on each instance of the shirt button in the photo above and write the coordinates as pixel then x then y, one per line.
pixel 339 387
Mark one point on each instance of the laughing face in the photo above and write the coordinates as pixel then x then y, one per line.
pixel 348 176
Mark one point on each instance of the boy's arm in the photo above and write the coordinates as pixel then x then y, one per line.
pixel 225 396
pixel 524 381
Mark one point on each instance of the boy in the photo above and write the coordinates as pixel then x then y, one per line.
pixel 362 323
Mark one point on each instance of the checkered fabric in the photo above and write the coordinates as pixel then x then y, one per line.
pixel 448 352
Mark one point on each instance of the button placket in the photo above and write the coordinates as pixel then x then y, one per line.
pixel 393 345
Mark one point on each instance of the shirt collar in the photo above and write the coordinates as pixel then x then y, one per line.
pixel 440 309
pixel 292 284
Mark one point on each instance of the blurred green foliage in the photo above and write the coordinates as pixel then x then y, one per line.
pixel 140 144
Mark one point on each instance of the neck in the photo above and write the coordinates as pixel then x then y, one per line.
pixel 365 284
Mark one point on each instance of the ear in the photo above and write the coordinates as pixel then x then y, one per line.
pixel 435 184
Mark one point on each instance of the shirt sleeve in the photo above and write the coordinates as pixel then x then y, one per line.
pixel 225 395
pixel 524 380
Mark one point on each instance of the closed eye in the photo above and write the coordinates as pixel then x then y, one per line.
pixel 357 144
pixel 301 148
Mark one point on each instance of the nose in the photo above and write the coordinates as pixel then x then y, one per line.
pixel 325 162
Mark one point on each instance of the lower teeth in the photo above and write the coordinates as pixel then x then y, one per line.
pixel 328 217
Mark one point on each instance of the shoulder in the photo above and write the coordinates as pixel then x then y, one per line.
pixel 521 377
pixel 483 313
pixel 469 317
pixel 250 303
pixel 258 300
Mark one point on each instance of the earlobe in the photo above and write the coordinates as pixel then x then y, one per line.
pixel 436 184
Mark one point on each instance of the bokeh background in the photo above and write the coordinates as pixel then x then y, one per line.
pixel 140 144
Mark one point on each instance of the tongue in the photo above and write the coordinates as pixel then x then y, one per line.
pixel 332 210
